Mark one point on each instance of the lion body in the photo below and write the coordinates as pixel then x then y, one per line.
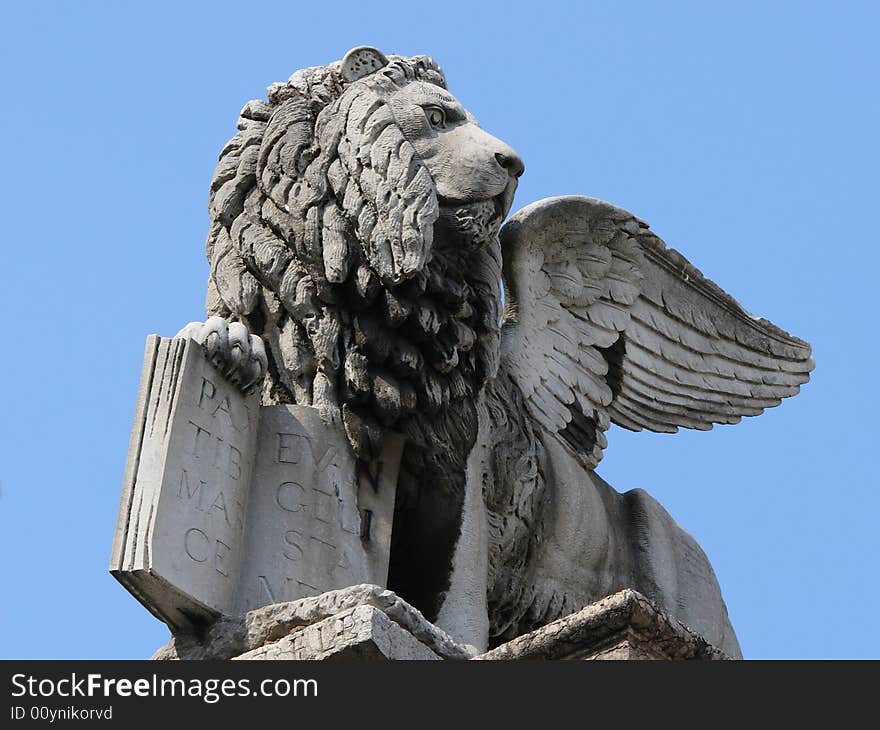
pixel 363 249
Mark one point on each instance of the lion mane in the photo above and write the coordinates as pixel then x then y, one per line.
pixel 327 239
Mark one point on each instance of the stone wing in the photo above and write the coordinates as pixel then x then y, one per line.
pixel 608 324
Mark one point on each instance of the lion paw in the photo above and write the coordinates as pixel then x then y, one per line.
pixel 232 350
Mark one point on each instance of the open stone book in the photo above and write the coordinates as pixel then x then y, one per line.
pixel 228 505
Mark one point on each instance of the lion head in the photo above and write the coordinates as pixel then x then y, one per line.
pixel 354 222
pixel 354 226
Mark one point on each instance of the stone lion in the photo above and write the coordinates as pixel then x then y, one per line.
pixel 356 266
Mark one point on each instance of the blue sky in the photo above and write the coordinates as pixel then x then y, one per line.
pixel 744 133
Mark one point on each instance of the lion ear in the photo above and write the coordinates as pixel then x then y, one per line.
pixel 362 61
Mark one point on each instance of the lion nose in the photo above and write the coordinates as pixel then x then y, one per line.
pixel 510 161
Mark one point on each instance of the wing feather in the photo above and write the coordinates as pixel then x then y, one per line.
pixel 573 279
pixel 611 325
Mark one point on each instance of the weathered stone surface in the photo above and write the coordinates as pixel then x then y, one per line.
pixel 368 622
pixel 356 233
pixel 317 521
pixel 228 506
pixel 623 626
pixel 179 533
pixel 358 633
pixel 233 636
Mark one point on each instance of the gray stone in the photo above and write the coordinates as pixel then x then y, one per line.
pixel 356 249
pixel 180 529
pixel 367 622
pixel 246 635
pixel 228 506
pixel 623 626
pixel 359 633
pixel 317 520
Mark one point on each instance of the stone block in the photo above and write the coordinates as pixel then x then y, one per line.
pixel 228 506
pixel 363 632
pixel 369 622
pixel 623 626
pixel 363 621
pixel 179 533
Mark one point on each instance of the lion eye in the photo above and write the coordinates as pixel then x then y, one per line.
pixel 436 116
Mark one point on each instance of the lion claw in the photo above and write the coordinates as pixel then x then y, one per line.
pixel 232 350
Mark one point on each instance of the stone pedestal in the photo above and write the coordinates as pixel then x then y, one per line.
pixel 625 625
pixel 358 622
pixel 369 622
pixel 363 632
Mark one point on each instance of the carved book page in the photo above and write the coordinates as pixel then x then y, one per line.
pixel 228 506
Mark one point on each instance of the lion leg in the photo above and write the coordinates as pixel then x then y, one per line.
pixel 671 568
pixel 464 612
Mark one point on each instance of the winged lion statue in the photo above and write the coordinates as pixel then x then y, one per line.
pixel 357 257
